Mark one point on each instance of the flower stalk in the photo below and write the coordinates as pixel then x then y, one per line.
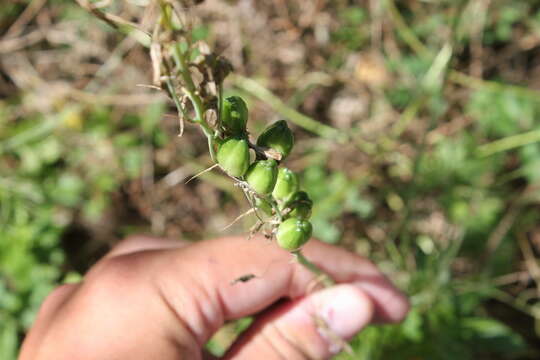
pixel 282 209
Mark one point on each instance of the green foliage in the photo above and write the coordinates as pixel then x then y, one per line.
pixel 45 180
pixel 347 33
pixel 443 335
pixel 407 185
pixel 502 113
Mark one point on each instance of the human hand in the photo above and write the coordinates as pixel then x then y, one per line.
pixel 162 299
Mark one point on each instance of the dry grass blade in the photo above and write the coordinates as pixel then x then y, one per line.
pixel 201 173
pixel 530 260
pixel 116 22
pixel 153 87
pixel 241 216
pixel 27 15
pixel 10 45
pixel 157 58
pixel 336 342
pixel 111 19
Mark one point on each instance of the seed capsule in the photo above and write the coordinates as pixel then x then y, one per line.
pixel 301 205
pixel 264 206
pixel 262 176
pixel 293 233
pixel 286 185
pixel 233 157
pixel 279 137
pixel 234 115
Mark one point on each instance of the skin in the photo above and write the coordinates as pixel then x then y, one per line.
pixel 162 299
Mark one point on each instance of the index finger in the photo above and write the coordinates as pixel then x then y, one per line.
pixel 212 266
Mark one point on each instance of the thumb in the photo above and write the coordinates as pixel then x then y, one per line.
pixel 313 327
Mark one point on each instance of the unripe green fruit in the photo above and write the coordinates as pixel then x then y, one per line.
pixel 293 233
pixel 234 115
pixel 233 156
pixel 286 185
pixel 264 206
pixel 301 205
pixel 279 137
pixel 262 176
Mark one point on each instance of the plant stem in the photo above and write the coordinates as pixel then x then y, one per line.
pixel 189 87
pixel 404 31
pixel 254 88
pixel 323 277
pixel 509 143
pixel 275 206
pixel 180 58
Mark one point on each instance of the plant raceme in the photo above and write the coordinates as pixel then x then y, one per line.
pixel 271 189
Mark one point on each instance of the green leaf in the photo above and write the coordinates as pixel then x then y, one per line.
pixel 67 190
pixel 412 326
pixel 492 335
pixel 8 338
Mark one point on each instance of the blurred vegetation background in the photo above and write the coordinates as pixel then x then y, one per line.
pixel 417 126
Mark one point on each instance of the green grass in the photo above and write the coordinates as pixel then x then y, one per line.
pixel 435 178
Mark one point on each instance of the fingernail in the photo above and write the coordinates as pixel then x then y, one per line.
pixel 345 309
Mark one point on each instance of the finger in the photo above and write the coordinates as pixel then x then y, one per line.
pixel 294 330
pixel 390 304
pixel 138 243
pixel 56 299
pixel 210 296
pixel 48 310
pixel 188 293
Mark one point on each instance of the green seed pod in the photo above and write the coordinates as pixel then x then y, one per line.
pixel 279 137
pixel 301 205
pixel 293 233
pixel 264 206
pixel 233 157
pixel 286 185
pixel 262 176
pixel 234 115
